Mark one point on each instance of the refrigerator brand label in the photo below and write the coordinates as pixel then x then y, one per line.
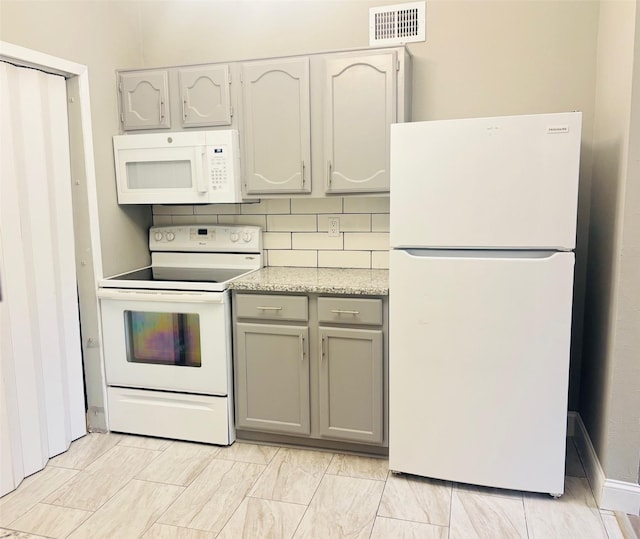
pixel 555 129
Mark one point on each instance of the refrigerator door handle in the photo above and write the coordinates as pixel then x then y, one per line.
pixel 481 253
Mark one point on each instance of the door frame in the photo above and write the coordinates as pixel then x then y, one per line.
pixel 85 213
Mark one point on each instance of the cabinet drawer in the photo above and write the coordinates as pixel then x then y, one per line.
pixel 271 307
pixel 350 311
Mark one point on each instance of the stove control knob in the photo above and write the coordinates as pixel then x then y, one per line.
pixel 246 237
pixel 157 236
pixel 171 236
pixel 234 237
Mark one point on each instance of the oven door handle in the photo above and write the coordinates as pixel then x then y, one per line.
pixel 160 295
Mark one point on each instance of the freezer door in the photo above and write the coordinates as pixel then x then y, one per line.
pixel 503 183
pixel 479 360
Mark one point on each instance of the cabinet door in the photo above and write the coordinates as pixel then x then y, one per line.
pixel 272 378
pixel 351 397
pixel 205 95
pixel 276 113
pixel 144 100
pixel 359 106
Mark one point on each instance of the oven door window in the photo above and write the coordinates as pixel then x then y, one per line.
pixel 163 338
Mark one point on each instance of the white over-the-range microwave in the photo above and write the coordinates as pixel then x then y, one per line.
pixel 199 167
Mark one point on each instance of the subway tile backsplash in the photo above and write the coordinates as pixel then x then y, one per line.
pixel 276 240
pixel 251 219
pixel 380 222
pixel 380 259
pixel 349 222
pixel 318 241
pixel 344 259
pixel 300 258
pixel 306 222
pixel 296 231
pixel 369 241
pixel 366 205
pixel 316 205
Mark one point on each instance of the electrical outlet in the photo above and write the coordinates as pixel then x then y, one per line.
pixel 334 227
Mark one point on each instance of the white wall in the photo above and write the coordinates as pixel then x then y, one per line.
pixel 481 57
pixel 610 399
pixel 103 36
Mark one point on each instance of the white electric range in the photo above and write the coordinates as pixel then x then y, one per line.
pixel 166 330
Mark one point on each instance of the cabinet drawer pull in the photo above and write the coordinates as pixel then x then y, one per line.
pixel 342 311
pixel 261 308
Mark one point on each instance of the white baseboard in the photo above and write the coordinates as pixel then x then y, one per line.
pixel 571 424
pixel 609 493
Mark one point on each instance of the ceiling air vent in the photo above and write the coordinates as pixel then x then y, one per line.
pixel 398 24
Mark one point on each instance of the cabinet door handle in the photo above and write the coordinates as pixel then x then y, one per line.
pixel 342 311
pixel 161 109
pixel 184 109
pixel 302 171
pixel 302 354
pixel 262 308
pixel 329 167
pixel 322 352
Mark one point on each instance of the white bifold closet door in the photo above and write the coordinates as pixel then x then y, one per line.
pixel 42 406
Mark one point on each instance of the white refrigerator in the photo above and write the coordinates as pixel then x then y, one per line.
pixel 483 226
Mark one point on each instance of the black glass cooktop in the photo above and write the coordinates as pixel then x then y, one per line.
pixel 205 275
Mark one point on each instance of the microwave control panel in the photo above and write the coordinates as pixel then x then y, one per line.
pixel 220 166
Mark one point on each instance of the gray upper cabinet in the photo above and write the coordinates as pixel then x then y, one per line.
pixel 272 378
pixel 312 125
pixel 144 99
pixel 350 384
pixel 275 99
pixel 205 95
pixel 360 103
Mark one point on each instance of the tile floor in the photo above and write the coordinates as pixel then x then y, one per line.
pixel 120 486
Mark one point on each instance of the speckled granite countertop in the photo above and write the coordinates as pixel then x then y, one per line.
pixel 366 282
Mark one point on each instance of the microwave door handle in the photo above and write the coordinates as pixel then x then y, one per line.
pixel 201 171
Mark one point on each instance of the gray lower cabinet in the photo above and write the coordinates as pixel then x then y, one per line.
pixel 350 382
pixel 272 378
pixel 311 366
